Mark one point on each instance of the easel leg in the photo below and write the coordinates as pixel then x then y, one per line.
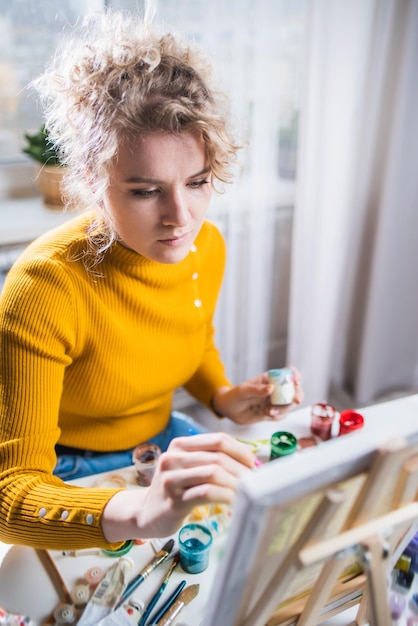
pixel 362 617
pixel 375 566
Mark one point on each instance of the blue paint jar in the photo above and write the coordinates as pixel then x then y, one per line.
pixel 411 550
pixel 195 541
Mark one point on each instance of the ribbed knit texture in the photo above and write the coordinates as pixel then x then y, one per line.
pixel 92 361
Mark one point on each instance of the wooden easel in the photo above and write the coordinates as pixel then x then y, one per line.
pixel 376 541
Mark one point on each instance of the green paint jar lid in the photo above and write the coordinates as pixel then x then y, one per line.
pixel 121 551
pixel 282 444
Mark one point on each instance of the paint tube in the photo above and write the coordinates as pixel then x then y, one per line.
pixel 107 593
pixel 14 618
pixel 126 615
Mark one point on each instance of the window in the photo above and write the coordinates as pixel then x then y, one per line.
pixel 29 33
pixel 239 32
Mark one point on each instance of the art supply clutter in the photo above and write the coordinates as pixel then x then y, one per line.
pixel 108 596
pixel 320 427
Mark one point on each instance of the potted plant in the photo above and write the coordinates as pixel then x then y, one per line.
pixel 51 170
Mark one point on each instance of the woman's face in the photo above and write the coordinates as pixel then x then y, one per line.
pixel 158 194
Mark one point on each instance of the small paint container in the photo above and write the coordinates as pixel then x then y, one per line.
pixel 195 541
pixel 403 563
pixel 94 575
pixel 411 551
pixel 284 386
pixel 121 551
pixel 282 443
pixel 404 580
pixel 80 594
pixel 350 421
pixel 145 458
pixel 397 604
pixel 322 417
pixel 65 614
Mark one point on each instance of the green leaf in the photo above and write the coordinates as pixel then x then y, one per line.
pixel 41 149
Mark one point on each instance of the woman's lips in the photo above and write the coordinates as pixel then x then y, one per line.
pixel 175 242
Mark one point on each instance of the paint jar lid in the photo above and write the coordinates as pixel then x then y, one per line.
pixel 350 420
pixel 121 551
pixel 281 373
pixel 282 444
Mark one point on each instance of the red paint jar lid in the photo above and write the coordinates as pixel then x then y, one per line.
pixel 350 420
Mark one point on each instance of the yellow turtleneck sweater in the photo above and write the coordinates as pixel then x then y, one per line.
pixel 91 358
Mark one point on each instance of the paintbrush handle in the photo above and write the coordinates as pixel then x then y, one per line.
pixel 54 574
pixel 172 614
pixel 160 614
pixel 130 588
pixel 186 596
pixel 151 604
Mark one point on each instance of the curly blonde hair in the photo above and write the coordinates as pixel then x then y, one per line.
pixel 116 76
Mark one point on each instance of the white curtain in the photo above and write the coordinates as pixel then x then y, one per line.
pixel 353 317
pixel 256 51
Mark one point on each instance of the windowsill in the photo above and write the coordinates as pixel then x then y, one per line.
pixel 24 219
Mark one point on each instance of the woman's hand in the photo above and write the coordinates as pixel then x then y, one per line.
pixel 249 402
pixel 194 470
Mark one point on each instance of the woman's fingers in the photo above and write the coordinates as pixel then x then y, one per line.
pixel 217 443
pixel 201 494
pixel 202 468
pixel 177 482
pixel 177 460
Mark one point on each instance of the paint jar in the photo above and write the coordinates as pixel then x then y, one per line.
pixel 282 444
pixel 121 551
pixel 195 541
pixel 397 605
pixel 411 550
pixel 322 417
pixel 65 614
pixel 80 594
pixel 94 575
pixel 350 421
pixel 145 459
pixel 284 386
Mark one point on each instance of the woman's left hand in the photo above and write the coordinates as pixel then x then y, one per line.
pixel 249 402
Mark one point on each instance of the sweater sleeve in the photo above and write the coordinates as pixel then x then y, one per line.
pixel 210 374
pixel 38 337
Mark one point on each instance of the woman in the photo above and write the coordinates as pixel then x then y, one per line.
pixel 102 319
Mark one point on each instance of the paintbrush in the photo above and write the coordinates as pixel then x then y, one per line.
pixel 187 595
pixel 169 602
pixel 55 576
pixel 159 593
pixel 159 558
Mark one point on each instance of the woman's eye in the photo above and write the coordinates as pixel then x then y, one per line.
pixel 198 183
pixel 143 193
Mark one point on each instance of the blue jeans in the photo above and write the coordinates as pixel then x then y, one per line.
pixel 72 466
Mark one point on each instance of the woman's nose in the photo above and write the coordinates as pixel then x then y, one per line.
pixel 176 211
